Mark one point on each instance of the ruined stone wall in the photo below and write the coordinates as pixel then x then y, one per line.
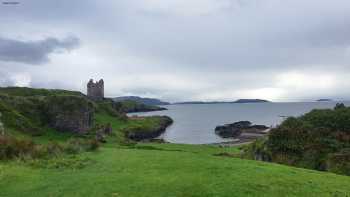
pixel 95 91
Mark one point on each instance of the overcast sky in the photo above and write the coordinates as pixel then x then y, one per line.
pixel 177 50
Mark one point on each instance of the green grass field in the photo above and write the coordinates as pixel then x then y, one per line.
pixel 153 170
pixel 168 170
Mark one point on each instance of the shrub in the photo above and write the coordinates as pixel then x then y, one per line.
pixel 339 106
pixel 76 145
pixel 24 149
pixel 73 146
pixel 11 148
pixel 257 150
pixel 317 140
pixel 93 145
pixel 53 149
pixel 14 119
pixel 339 162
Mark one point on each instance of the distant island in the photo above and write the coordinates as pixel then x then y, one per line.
pixel 324 100
pixel 217 102
pixel 146 101
pixel 251 101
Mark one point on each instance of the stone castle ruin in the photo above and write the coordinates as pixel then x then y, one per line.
pixel 95 90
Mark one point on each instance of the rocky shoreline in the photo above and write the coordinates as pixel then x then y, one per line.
pixel 141 134
pixel 241 140
pixel 242 132
pixel 237 128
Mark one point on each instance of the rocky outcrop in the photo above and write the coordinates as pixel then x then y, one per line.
pixel 235 130
pixel 69 113
pixel 139 133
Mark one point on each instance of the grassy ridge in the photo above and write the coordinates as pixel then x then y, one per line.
pixel 23 91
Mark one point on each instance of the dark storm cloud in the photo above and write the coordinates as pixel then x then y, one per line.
pixel 34 52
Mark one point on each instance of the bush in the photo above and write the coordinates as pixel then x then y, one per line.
pixel 257 150
pixel 93 145
pixel 24 149
pixel 339 162
pixel 14 119
pixel 11 148
pixel 76 145
pixel 317 140
pixel 53 149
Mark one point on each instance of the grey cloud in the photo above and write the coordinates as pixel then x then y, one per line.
pixel 231 45
pixel 5 80
pixel 141 91
pixel 34 52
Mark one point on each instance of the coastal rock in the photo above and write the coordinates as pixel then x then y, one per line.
pixel 256 129
pixel 139 133
pixel 232 130
pixel 236 129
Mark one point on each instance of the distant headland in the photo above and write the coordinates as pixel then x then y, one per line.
pixel 324 100
pixel 217 102
pixel 146 101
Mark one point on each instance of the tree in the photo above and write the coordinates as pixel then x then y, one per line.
pixel 339 106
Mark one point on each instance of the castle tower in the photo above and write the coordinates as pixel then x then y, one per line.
pixel 95 90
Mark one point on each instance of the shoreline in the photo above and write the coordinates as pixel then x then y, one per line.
pixel 244 139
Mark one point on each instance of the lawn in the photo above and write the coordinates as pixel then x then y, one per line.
pixel 168 170
pixel 151 169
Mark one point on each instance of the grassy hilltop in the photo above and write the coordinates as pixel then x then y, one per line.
pixel 122 167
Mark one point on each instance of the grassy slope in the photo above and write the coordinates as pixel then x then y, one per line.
pixel 166 170
pixel 169 170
